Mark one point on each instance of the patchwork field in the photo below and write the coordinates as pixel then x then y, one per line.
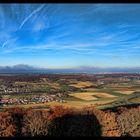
pixel 89 96
pixel 84 96
pixel 71 92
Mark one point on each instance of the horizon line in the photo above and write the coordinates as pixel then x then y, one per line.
pixel 69 67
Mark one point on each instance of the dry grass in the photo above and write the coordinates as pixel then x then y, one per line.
pixel 82 84
pixel 21 83
pixel 84 96
pixel 135 100
pixel 126 92
pixel 55 85
pixel 6 96
pixel 104 95
pixel 81 104
pixel 90 89
pixel 88 96
pixel 26 106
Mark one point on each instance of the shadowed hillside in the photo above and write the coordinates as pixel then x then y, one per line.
pixel 76 125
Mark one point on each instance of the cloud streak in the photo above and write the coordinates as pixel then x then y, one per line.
pixel 28 17
pixel 5 43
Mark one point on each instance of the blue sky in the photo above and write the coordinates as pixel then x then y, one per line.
pixel 70 35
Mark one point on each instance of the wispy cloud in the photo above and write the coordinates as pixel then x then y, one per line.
pixel 85 31
pixel 5 43
pixel 10 42
pixel 30 15
pixel 39 26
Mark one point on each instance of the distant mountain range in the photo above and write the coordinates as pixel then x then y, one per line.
pixel 21 68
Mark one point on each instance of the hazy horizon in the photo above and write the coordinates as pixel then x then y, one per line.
pixel 22 68
pixel 70 35
pixel 76 67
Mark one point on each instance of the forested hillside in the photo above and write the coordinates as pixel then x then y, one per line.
pixel 62 121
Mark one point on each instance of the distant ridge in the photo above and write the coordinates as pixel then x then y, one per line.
pixel 22 68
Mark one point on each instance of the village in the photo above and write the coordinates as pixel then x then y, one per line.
pixel 36 99
pixel 12 88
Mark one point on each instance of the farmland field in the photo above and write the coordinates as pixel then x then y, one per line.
pixel 126 92
pixel 69 91
pixel 84 95
pixel 82 84
pixel 92 95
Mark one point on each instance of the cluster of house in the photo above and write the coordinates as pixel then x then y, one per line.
pixel 32 100
pixel 13 89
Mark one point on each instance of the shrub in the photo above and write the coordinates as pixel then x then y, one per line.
pixel 129 122
pixel 59 111
pixel 17 116
pixel 107 120
pixel 36 123
pixel 7 127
